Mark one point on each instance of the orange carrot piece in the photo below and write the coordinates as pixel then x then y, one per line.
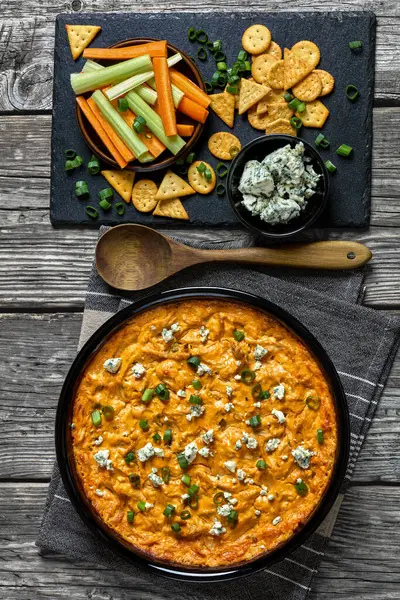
pixel 95 123
pixel 164 95
pixel 193 110
pixel 190 89
pixel 158 48
pixel 122 148
pixel 153 144
pixel 185 130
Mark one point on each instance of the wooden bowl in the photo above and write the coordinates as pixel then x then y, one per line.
pixel 166 159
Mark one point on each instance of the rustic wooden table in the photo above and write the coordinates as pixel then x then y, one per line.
pixel 43 275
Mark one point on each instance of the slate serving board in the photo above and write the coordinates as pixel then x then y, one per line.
pixel 350 123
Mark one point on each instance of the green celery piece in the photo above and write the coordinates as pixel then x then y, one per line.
pixel 120 127
pixel 125 86
pixel 91 65
pixel 177 94
pixel 174 143
pixel 86 82
pixel 146 94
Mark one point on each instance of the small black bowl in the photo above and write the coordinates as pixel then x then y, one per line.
pixel 257 150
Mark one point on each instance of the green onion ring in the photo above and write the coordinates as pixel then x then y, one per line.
pixel 185 515
pixel 256 390
pixel 220 56
pixel 183 170
pixel 344 150
pixel 288 97
pixel 293 104
pixel 296 123
pixel 301 107
pixel 105 204
pixel 122 105
pixel 220 189
pixel 233 150
pixel 108 412
pixel 81 189
pixel 94 165
pixel 208 174
pixel 209 87
pixel 96 418
pixel 191 34
pixel 201 169
pixel 190 158
pixel 247 376
pixel 166 474
pixel 352 92
pixel 91 212
pixel 218 498
pixel 221 169
pixel 330 166
pixel 232 89
pixel 202 54
pixel 355 45
pixel 106 194
pixel 120 208
pixel 70 154
pixel 217 45
pixel 201 36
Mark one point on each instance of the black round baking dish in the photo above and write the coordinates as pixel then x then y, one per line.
pixel 71 481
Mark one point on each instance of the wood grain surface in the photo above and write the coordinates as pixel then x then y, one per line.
pixel 43 276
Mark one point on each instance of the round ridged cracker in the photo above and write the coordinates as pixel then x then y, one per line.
pixel 307 51
pixel 198 181
pixel 327 80
pixel 258 121
pixel 261 66
pixel 144 195
pixel 275 50
pixel 280 126
pixel 256 39
pixel 309 88
pixel 220 143
pixel 276 74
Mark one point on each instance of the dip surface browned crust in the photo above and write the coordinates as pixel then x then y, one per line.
pixel 253 426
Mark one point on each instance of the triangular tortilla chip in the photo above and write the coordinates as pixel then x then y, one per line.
pixel 173 186
pixel 295 69
pixel 80 36
pixel 250 93
pixel 172 208
pixel 224 106
pixel 121 181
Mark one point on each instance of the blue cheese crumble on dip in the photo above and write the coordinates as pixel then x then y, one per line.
pixel 277 189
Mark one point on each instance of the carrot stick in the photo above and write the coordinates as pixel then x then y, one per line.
pixel 95 123
pixel 153 144
pixel 121 147
pixel 185 130
pixel 191 90
pixel 158 48
pixel 164 95
pixel 193 110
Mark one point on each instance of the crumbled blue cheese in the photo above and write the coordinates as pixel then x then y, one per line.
pixel 168 334
pixel 204 333
pixel 302 456
pixel 138 370
pixel 256 179
pixel 190 452
pixel 148 451
pixel 241 475
pixel 257 404
pixel 257 365
pixel 208 436
pixel 185 497
pixel 205 452
pixel 249 480
pixel 271 497
pixel 272 444
pixel 156 480
pixel 202 369
pixel 276 521
pixel 112 365
pixel 196 410
pixel 238 445
pixel 250 442
pixel 279 391
pixel 98 441
pixel 181 393
pixel 263 492
pixel 237 377
pixel 230 465
pixel 229 391
pixel 102 457
pixel 259 352
pixel 285 457
pixel 148 505
pixel 217 528
pixel 257 512
pixel 227 495
pixel 100 493
pixel 238 363
pixel 279 415
pixel 228 407
pixel 224 510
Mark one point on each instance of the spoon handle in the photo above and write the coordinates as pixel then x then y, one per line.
pixel 314 255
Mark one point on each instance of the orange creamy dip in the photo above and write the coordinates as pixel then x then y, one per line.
pixel 258 465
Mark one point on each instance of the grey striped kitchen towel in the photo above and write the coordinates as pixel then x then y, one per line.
pixel 362 344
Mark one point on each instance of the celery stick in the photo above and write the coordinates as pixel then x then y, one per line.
pixel 120 127
pixel 85 82
pixel 172 60
pixel 128 84
pixel 177 94
pixel 174 143
pixel 146 94
pixel 91 65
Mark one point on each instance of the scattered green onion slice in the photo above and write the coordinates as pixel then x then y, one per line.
pixel 169 510
pixel 352 92
pixel 176 527
pixel 166 474
pixel 220 189
pixel 108 413
pixel 202 54
pixel 94 165
pixel 120 208
pixel 144 424
pixel 186 479
pixel 247 65
pixel 255 421
pixel 105 204
pixel 167 437
pixel 193 362
pixel 222 66
pixel 233 79
pixel 261 464
pixel 194 399
pixel 355 45
pixel 96 418
pixel 344 150
pixel 147 395
pixel 256 390
pixel 293 104
pixel 180 161
pixel 320 436
pixel 122 105
pixel 134 478
pixel 238 335
pixel 233 150
pixel 193 490
pixel 313 402
pixel 74 163
pixel 296 122
pixel 185 515
pixel 221 169
pixel 233 517
pixel 81 189
pixel 201 168
pixel 301 107
pixel 193 502
pixel 162 391
pixel 106 194
pixel 190 158
pixel 288 97
pixel 201 36
pixel 191 34
pixel 182 170
pixel 91 212
pixel 208 174
pixel 330 166
pixel 214 79
pixel 210 45
pixel 196 383
pixel 220 56
pixel 209 87
pixel 248 376
pixel 232 89
pixel 218 498
pixel 139 124
pixel 183 462
pixel 130 515
pixel 69 153
pixel 141 505
pixel 265 394
pixel 320 137
pixel 217 45
pixel 301 487
pixel 324 144
pixel 130 457
pixel 242 55
pixel 157 437
pixel 222 78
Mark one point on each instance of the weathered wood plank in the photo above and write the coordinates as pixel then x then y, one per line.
pixel 42 347
pixel 361 561
pixel 26 45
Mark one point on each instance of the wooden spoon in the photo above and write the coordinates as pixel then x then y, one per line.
pixel 134 257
